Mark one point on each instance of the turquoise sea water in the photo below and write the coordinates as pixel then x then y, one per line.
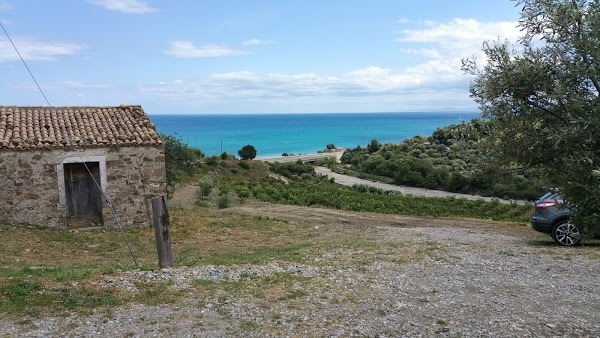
pixel 273 135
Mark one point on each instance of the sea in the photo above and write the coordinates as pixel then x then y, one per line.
pixel 275 134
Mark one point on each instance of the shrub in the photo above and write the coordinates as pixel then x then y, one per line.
pixel 242 191
pixel 224 186
pixel 212 160
pixel 180 159
pixel 223 202
pixel 291 170
pixel 205 185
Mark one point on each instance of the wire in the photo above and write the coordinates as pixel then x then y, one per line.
pixel 112 210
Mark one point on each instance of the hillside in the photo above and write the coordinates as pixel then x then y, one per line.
pixel 453 158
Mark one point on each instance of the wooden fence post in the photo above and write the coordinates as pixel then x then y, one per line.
pixel 160 215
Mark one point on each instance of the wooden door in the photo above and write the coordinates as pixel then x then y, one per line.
pixel 83 195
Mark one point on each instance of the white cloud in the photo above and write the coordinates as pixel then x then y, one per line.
pixel 460 36
pixel 256 42
pixel 444 45
pixel 32 49
pixel 126 6
pixel 367 82
pixel 186 49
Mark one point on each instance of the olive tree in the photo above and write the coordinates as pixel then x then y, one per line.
pixel 542 97
pixel 248 152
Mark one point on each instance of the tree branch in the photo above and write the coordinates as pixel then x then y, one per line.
pixel 546 110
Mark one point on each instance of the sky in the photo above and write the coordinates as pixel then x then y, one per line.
pixel 242 56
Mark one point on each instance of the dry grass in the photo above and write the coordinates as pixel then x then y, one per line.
pixel 196 234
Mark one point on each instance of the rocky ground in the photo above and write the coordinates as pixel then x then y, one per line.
pixel 400 276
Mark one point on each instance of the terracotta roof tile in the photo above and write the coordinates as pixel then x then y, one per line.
pixel 55 127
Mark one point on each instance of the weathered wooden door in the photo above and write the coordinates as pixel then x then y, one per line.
pixel 83 195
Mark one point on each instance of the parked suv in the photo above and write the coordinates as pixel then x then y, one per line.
pixel 552 216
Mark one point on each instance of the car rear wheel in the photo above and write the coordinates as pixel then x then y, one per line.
pixel 566 233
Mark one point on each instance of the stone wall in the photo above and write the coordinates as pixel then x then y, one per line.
pixel 32 187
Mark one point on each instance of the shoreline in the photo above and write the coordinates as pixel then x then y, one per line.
pixel 305 158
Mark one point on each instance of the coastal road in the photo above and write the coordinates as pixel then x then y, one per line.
pixel 350 181
pixel 304 158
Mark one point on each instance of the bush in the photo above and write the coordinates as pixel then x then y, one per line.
pixel 223 202
pixel 291 170
pixel 180 159
pixel 224 186
pixel 205 185
pixel 213 160
pixel 242 191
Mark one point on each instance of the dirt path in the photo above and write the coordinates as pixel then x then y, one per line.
pixel 350 181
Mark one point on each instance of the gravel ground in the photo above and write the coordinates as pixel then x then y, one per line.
pixel 421 277
pixel 350 181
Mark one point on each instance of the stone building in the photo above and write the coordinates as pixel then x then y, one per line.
pixel 64 167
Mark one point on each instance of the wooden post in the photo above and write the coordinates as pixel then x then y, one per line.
pixel 160 215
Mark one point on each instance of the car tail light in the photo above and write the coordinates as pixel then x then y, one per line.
pixel 545 204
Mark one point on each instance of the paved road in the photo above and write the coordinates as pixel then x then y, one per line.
pixel 350 181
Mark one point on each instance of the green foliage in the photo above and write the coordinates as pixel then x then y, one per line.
pixel 180 159
pixel 453 158
pixel 330 162
pixel 244 165
pixel 373 146
pixel 24 291
pixel 543 100
pixel 318 191
pixel 224 186
pixel 223 202
pixel 248 152
pixel 290 170
pixel 206 184
pixel 213 160
pixel 242 191
pixel 328 148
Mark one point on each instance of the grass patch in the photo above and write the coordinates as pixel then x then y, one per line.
pixel 30 296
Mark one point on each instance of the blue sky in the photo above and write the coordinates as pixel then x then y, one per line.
pixel 242 56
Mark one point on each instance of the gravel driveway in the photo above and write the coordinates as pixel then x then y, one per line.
pixel 350 181
pixel 416 277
